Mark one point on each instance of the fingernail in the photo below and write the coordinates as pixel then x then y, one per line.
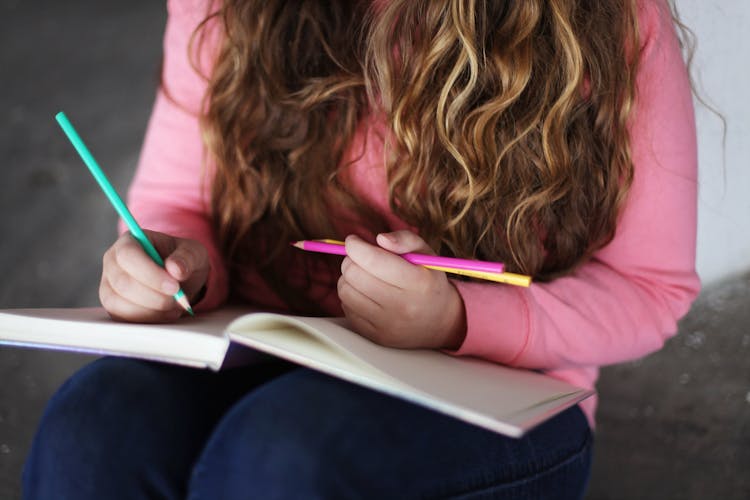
pixel 180 265
pixel 170 287
pixel 389 237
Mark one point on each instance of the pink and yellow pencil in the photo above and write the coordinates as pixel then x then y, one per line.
pixel 492 271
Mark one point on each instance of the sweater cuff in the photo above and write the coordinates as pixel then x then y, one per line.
pixel 497 321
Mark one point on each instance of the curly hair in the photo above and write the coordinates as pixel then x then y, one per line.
pixel 507 123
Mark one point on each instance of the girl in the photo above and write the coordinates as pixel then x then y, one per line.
pixel 556 136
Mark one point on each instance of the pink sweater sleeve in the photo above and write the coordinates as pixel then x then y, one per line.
pixel 169 190
pixel 626 300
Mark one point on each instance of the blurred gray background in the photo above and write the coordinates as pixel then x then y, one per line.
pixel 674 425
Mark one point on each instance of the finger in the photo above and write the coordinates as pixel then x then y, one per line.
pixel 364 282
pixel 128 255
pixel 383 264
pixel 360 324
pixel 188 258
pixel 356 300
pixel 403 241
pixel 130 288
pixel 121 309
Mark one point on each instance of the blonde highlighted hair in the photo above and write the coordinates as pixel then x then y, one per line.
pixel 507 123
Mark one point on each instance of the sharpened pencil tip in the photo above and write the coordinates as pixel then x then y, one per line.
pixel 299 244
pixel 183 301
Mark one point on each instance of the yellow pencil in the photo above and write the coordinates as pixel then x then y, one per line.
pixel 507 278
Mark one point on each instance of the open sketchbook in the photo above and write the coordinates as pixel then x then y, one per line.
pixel 505 400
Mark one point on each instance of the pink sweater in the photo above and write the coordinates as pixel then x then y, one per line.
pixel 621 305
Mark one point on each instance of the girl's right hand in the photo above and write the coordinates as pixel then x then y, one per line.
pixel 134 288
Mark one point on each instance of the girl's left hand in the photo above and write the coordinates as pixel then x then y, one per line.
pixel 395 303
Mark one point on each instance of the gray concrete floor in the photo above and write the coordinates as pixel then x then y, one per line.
pixel 674 425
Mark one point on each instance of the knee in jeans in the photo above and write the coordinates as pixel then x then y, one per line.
pixel 93 405
pixel 279 443
pixel 97 437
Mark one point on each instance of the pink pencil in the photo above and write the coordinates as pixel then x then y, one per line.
pixel 337 248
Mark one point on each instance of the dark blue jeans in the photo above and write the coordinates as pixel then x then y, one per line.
pixel 131 429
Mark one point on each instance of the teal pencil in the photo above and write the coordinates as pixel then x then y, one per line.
pixel 114 198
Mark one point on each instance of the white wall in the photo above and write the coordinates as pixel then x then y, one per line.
pixel 722 71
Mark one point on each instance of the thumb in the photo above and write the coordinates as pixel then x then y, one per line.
pixel 403 241
pixel 164 243
pixel 189 257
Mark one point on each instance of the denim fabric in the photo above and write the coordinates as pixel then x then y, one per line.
pixel 131 429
